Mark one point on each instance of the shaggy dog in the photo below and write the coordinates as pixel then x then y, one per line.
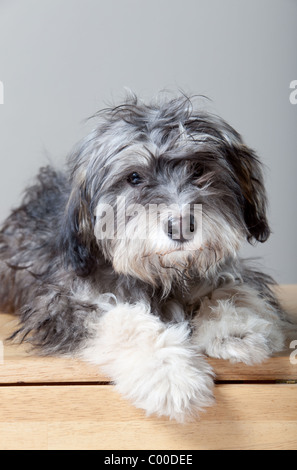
pixel 129 258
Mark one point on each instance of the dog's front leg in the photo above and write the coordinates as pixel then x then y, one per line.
pixel 239 324
pixel 151 363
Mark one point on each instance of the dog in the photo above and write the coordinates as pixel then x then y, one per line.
pixel 146 299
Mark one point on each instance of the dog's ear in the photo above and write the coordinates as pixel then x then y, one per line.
pixel 77 234
pixel 248 172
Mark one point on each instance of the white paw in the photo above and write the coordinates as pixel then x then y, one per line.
pixel 227 332
pixel 251 348
pixel 152 364
pixel 173 381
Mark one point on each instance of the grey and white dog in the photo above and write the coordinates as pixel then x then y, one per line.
pixel 146 308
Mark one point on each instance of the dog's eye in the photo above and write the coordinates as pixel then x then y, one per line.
pixel 197 173
pixel 134 179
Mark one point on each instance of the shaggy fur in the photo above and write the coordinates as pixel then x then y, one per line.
pixel 147 307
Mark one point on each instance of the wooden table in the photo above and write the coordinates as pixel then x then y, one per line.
pixel 53 403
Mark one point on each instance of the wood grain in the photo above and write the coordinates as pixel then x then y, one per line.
pixel 95 417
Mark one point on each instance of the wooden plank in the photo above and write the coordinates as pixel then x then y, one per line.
pixel 19 366
pixel 274 369
pixel 95 417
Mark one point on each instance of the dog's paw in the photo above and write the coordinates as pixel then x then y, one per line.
pixel 250 348
pixel 152 364
pixel 173 383
pixel 236 334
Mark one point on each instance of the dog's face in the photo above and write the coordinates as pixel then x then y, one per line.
pixel 162 191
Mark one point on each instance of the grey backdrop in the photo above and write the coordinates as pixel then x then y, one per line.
pixel 60 61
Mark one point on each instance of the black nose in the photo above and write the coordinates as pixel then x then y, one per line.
pixel 181 229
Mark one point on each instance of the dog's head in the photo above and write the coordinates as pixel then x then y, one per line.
pixel 161 190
